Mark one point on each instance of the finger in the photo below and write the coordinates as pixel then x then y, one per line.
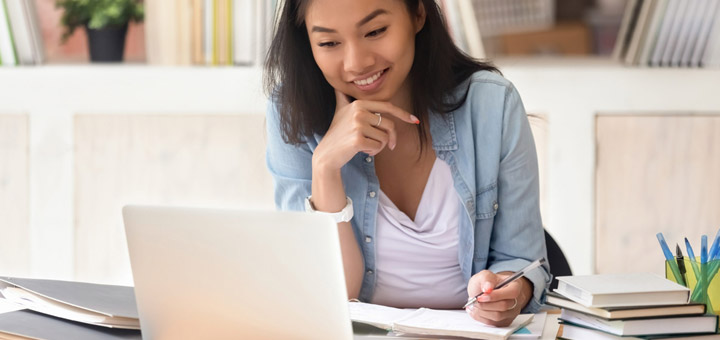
pixel 498 306
pixel 341 99
pixel 376 134
pixel 388 126
pixel 388 108
pixel 369 146
pixel 497 319
pixel 509 292
pixel 482 282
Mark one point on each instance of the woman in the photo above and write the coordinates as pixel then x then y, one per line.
pixel 422 155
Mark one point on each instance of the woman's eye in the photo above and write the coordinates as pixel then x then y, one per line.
pixel 328 44
pixel 377 32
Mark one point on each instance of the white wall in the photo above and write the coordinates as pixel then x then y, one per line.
pixel 568 92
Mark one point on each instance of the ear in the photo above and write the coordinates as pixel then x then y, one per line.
pixel 420 17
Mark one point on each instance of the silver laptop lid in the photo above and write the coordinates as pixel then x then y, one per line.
pixel 222 274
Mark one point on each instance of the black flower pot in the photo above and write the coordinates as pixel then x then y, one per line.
pixel 107 44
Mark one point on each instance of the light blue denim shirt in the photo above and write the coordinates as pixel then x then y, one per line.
pixel 489 147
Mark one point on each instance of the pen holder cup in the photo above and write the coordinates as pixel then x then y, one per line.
pixel 703 281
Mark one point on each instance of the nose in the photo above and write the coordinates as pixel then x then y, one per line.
pixel 357 59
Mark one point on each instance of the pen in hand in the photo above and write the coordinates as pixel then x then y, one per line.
pixel 520 273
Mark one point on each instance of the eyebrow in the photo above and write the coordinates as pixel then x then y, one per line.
pixel 364 21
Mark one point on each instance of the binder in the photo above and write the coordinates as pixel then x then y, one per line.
pixel 96 304
pixel 26 324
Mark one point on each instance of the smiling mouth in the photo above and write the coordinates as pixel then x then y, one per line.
pixel 370 80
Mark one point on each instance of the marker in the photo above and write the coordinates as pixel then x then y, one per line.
pixel 671 259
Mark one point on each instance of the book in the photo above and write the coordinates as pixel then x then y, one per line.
pixel 8 56
pixel 426 321
pixel 704 33
pixel 642 24
pixel 25 324
pixel 615 313
pixel 208 31
pixel 711 55
pixel 664 34
pixel 632 10
pixel 679 21
pixel 243 31
pixel 95 304
pixel 648 44
pixel 22 35
pixel 183 20
pixel 690 18
pixel 700 324
pixel 574 332
pixel 693 34
pixel 471 29
pixel 622 290
pixel 454 23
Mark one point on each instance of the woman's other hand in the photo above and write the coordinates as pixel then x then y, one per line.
pixel 355 128
pixel 497 307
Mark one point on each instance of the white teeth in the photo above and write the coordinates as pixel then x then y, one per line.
pixel 369 80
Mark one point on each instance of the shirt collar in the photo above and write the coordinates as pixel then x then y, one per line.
pixel 442 130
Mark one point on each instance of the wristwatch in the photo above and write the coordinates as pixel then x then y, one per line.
pixel 345 215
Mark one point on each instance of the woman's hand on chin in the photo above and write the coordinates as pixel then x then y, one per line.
pixel 358 127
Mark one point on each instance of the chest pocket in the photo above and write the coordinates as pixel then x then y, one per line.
pixel 486 204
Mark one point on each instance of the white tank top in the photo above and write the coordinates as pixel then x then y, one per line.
pixel 417 261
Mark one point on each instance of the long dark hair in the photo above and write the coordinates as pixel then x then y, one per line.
pixel 306 101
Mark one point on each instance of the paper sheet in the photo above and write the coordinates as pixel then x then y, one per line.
pixel 456 323
pixel 533 330
pixel 376 315
pixel 7 306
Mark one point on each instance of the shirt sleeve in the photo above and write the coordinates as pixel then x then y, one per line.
pixel 518 236
pixel 290 165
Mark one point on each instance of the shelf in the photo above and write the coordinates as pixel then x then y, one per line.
pixel 132 89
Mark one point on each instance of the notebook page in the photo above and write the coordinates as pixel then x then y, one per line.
pixel 376 315
pixel 458 323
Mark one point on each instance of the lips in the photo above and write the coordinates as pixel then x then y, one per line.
pixel 372 82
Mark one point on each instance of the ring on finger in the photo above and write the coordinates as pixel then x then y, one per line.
pixel 514 304
pixel 379 120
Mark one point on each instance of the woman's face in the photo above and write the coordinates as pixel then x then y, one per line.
pixel 364 48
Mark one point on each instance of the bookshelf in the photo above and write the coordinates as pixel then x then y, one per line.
pixel 569 92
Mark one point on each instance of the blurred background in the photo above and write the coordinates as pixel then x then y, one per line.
pixel 110 102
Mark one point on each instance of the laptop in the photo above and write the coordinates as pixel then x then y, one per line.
pixel 225 274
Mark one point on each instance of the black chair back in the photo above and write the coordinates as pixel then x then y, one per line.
pixel 559 265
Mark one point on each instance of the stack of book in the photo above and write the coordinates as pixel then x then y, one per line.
pixel 20 36
pixel 208 32
pixel 629 306
pixel 670 33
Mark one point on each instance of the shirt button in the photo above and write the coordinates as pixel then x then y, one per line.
pixel 372 194
pixel 495 206
pixel 368 239
pixel 369 272
pixel 368 159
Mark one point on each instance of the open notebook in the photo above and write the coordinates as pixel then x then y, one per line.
pixel 432 322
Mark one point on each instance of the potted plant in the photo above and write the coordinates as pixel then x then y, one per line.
pixel 106 23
